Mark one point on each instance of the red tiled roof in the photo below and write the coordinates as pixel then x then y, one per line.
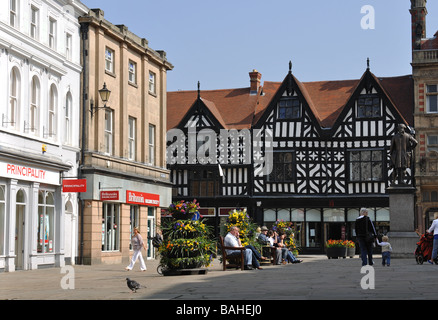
pixel 430 44
pixel 237 109
pixel 235 106
pixel 401 92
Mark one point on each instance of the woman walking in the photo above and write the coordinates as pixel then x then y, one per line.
pixel 137 244
pixel 434 229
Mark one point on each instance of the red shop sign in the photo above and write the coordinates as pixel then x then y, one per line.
pixel 74 185
pixel 109 195
pixel 143 198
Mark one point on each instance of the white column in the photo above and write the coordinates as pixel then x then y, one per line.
pixel 10 225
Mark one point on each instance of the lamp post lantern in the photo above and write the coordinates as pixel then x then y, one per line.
pixel 104 94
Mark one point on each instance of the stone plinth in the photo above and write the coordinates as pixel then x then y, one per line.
pixel 402 237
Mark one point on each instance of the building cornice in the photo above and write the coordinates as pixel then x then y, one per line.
pixel 121 34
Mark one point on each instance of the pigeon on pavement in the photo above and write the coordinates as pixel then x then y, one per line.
pixel 133 285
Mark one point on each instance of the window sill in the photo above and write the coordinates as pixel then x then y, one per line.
pixel 110 74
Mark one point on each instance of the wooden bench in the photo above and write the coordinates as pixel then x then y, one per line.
pixel 234 261
pixel 270 253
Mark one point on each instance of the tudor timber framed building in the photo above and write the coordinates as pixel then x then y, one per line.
pixel 325 144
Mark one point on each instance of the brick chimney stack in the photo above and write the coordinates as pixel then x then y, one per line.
pixel 255 78
pixel 418 18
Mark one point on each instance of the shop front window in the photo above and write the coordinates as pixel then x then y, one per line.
pixel 134 221
pixel 110 227
pixel 382 221
pixel 2 219
pixel 46 221
pixel 298 220
pixel 313 228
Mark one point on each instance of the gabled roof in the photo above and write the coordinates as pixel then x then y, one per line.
pixel 401 92
pixel 233 108
pixel 238 109
pixel 326 99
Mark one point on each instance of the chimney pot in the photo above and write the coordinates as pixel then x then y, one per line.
pixel 254 78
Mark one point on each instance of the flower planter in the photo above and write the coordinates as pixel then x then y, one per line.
pixel 336 252
pixel 183 216
pixel 351 252
pixel 187 243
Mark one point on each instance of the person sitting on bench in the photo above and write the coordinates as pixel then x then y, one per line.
pixel 232 240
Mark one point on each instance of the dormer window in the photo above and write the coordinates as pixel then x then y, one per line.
pixel 289 108
pixel 368 106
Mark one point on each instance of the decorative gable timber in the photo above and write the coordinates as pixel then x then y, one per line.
pixel 326 104
pixel 354 123
pixel 202 114
pixel 297 120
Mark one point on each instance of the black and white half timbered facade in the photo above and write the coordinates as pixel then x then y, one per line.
pixel 312 153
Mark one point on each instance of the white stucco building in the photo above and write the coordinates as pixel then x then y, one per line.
pixel 39 131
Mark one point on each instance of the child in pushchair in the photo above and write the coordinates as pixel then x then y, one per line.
pixel 423 252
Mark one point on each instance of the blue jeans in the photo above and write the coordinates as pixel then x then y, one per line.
pixel 366 251
pixel 255 256
pixel 435 247
pixel 386 258
pixel 290 257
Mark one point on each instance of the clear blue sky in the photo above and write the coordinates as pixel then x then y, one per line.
pixel 219 42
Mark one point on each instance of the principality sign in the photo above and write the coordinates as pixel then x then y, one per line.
pixel 24 172
pixel 142 198
pixel 74 185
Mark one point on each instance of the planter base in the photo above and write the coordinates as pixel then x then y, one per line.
pixel 336 252
pixel 184 272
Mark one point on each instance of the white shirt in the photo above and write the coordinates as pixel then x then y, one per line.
pixel 271 241
pixel 386 246
pixel 434 227
pixel 231 241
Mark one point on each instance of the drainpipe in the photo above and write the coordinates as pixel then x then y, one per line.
pixel 84 34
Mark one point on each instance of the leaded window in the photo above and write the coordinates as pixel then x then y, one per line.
pixel 368 106
pixel 204 183
pixel 282 167
pixel 289 108
pixel 366 165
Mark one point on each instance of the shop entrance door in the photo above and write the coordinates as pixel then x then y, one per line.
pixel 19 236
pixel 151 232
pixel 334 231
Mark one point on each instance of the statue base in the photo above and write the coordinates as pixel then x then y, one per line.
pixel 402 237
pixel 403 244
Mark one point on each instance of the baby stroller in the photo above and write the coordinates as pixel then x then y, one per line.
pixel 423 252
